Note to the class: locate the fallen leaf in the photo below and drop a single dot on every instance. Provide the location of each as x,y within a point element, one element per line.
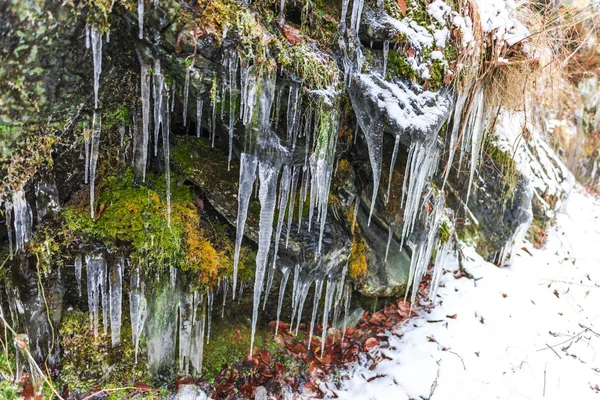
<point>292,34</point>
<point>402,5</point>
<point>371,343</point>
<point>143,387</point>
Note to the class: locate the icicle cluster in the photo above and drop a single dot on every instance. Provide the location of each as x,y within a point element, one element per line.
<point>23,219</point>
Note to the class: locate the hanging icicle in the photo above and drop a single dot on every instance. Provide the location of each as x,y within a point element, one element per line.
<point>96,39</point>
<point>94,150</point>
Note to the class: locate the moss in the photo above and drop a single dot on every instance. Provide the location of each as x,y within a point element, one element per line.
<point>437,75</point>
<point>398,67</point>
<point>503,163</point>
<point>446,231</point>
<point>8,391</point>
<point>137,216</point>
<point>358,260</point>
<point>90,363</point>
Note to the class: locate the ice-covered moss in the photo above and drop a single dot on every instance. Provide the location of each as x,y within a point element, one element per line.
<point>89,363</point>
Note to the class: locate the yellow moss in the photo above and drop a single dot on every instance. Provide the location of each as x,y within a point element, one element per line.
<point>200,254</point>
<point>357,268</point>
<point>358,260</point>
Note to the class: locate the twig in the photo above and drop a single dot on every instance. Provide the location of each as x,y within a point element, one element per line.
<point>461,359</point>
<point>551,348</point>
<point>109,390</point>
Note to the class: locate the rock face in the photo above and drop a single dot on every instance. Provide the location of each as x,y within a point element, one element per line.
<point>228,149</point>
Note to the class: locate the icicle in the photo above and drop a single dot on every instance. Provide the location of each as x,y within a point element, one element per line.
<point>86,145</point>
<point>167,153</point>
<point>386,49</point>
<point>161,328</point>
<point>158,103</point>
<point>186,93</point>
<point>8,216</point>
<point>87,36</point>
<point>344,14</point>
<point>292,111</point>
<point>172,275</point>
<point>96,287</point>
<point>346,309</point>
<point>145,91</point>
<point>392,165</point>
<point>248,165</point>
<point>284,192</point>
<point>268,200</point>
<point>198,117</point>
<point>137,308</point>
<point>173,98</point>
<point>328,300</point>
<point>198,336</point>
<point>96,38</point>
<point>423,250</point>
<point>23,219</point>
<point>302,294</point>
<point>422,163</point>
<point>116,299</point>
<point>339,295</point>
<point>95,150</point>
<point>213,120</point>
<point>456,122</point>
<point>78,265</point>
<point>389,241</point>
<point>141,18</point>
<point>317,298</point>
<point>295,175</point>
<point>321,168</point>
<point>302,199</point>
<point>46,199</point>
<point>232,60</point>
<point>121,135</point>
<point>281,13</point>
<point>284,279</point>
<point>186,321</point>
<point>475,126</point>
<point>211,298</point>
<point>225,290</point>
<point>357,7</point>
<point>438,270</point>
<point>294,293</point>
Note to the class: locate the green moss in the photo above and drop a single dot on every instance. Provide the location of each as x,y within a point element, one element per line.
<point>504,164</point>
<point>8,391</point>
<point>450,52</point>
<point>446,231</point>
<point>137,216</point>
<point>437,75</point>
<point>90,363</point>
<point>398,67</point>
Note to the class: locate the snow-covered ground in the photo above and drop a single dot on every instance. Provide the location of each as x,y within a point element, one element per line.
<point>523,332</point>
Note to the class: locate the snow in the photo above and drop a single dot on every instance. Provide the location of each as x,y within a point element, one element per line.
<point>527,331</point>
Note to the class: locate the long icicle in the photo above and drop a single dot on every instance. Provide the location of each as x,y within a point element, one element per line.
<point>284,191</point>
<point>267,197</point>
<point>248,166</point>
<point>284,279</point>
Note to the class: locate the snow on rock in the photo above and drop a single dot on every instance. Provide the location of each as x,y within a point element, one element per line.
<point>536,161</point>
<point>523,332</point>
